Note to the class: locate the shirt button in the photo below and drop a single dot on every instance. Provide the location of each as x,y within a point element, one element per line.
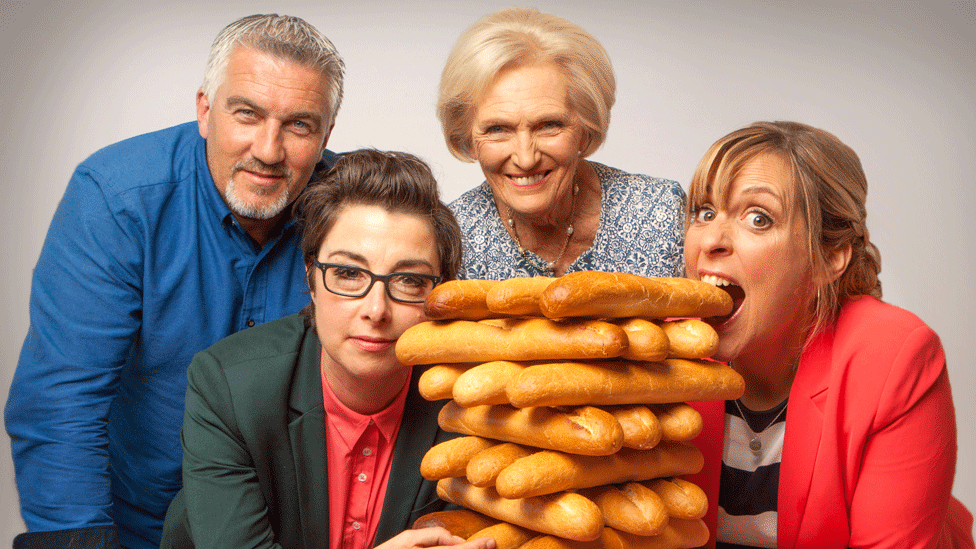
<point>250,323</point>
<point>367,451</point>
<point>362,477</point>
<point>356,525</point>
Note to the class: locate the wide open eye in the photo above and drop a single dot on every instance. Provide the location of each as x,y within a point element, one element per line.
<point>703,214</point>
<point>759,220</point>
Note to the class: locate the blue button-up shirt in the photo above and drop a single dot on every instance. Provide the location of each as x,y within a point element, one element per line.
<point>143,266</point>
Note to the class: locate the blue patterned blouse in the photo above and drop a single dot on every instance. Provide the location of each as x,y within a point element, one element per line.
<point>641,231</point>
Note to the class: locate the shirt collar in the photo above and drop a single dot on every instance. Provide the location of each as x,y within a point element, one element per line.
<point>351,425</point>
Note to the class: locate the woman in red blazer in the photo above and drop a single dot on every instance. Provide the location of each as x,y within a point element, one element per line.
<point>845,436</point>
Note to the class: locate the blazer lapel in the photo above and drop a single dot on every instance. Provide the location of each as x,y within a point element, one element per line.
<point>418,432</point>
<point>710,443</point>
<point>803,438</point>
<point>306,428</point>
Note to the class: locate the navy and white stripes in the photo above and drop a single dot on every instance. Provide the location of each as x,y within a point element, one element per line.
<point>750,479</point>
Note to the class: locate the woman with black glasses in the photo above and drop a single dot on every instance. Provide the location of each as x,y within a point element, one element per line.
<point>308,431</point>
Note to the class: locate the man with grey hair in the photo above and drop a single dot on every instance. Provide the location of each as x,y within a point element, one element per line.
<point>162,245</point>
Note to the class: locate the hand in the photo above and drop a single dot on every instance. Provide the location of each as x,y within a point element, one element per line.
<point>433,537</point>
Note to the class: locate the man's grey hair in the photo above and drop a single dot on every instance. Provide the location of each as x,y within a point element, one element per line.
<point>281,36</point>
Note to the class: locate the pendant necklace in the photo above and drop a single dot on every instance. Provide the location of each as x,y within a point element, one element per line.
<point>755,444</point>
<point>546,266</point>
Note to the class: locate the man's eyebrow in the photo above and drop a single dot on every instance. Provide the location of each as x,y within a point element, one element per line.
<point>238,100</point>
<point>306,115</point>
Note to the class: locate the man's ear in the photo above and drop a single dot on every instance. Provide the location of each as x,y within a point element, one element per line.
<point>203,112</point>
<point>837,261</point>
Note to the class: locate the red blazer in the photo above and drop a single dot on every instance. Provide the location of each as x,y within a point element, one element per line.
<point>870,450</point>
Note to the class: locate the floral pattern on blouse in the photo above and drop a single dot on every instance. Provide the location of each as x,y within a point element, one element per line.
<point>641,231</point>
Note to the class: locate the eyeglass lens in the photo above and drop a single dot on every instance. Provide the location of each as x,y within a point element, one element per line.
<point>356,282</point>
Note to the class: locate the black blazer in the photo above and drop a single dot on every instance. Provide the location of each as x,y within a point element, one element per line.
<point>254,456</point>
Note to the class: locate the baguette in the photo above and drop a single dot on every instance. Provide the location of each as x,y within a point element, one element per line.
<point>483,467</point>
<point>679,421</point>
<point>505,534</point>
<point>567,514</point>
<point>517,296</point>
<point>459,299</point>
<point>516,339</point>
<point>619,295</point>
<point>555,542</point>
<point>450,458</point>
<point>621,382</point>
<point>681,498</point>
<point>485,383</point>
<point>690,338</point>
<point>646,340</point>
<point>583,430</point>
<point>678,534</point>
<point>642,429</point>
<point>437,382</point>
<point>632,508</point>
<point>548,472</point>
<point>463,523</point>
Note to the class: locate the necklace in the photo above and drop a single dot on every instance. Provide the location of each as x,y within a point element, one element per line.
<point>546,266</point>
<point>755,444</point>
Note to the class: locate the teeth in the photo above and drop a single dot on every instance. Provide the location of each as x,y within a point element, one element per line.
<point>530,180</point>
<point>715,280</point>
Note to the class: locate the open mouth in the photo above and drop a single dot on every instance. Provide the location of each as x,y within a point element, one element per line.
<point>734,290</point>
<point>529,180</point>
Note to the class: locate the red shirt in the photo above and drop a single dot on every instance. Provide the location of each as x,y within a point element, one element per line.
<point>360,451</point>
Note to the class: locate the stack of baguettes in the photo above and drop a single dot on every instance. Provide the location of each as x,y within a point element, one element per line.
<point>572,394</point>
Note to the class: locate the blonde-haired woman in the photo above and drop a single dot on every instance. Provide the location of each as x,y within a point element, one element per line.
<point>528,95</point>
<point>846,435</point>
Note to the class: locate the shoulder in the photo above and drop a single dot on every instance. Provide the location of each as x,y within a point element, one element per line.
<point>621,183</point>
<point>473,204</point>
<point>877,353</point>
<point>163,156</point>
<point>866,324</point>
<point>278,340</point>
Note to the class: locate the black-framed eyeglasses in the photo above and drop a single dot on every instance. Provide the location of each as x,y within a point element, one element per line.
<point>349,281</point>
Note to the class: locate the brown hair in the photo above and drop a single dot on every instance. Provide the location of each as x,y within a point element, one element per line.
<point>513,37</point>
<point>829,192</point>
<point>397,181</point>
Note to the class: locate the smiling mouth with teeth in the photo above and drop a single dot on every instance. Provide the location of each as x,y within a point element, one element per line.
<point>734,290</point>
<point>529,180</point>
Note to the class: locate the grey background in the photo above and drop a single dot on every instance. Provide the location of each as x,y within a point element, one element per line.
<point>895,80</point>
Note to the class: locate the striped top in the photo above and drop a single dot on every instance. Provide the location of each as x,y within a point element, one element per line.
<point>750,476</point>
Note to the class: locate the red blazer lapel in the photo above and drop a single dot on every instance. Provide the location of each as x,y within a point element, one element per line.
<point>804,429</point>
<point>710,442</point>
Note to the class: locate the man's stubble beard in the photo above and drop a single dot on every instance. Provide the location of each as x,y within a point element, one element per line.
<point>246,209</point>
<point>242,208</point>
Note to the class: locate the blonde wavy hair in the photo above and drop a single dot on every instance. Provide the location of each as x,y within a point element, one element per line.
<point>514,37</point>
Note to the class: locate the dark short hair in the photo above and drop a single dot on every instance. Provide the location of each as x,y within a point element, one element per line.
<point>397,181</point>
